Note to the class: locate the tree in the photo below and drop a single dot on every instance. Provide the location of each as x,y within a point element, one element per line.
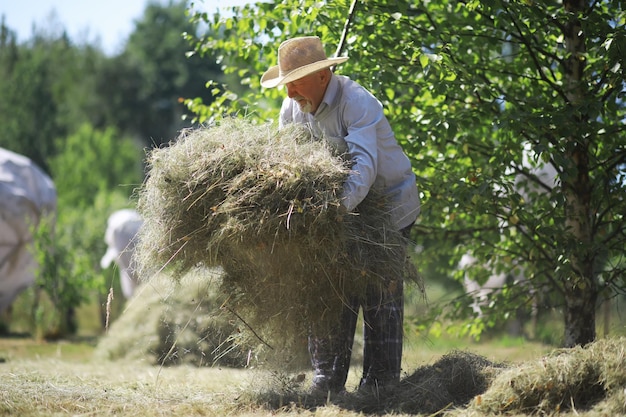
<point>52,85</point>
<point>468,86</point>
<point>153,74</point>
<point>47,85</point>
<point>94,161</point>
<point>96,174</point>
<point>27,108</point>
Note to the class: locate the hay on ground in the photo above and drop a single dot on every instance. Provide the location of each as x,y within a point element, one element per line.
<point>450,382</point>
<point>588,381</point>
<point>573,379</point>
<point>171,323</point>
<point>263,204</point>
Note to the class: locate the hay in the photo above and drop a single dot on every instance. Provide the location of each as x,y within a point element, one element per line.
<point>452,381</point>
<point>591,378</point>
<point>172,323</point>
<point>264,205</point>
<point>588,381</point>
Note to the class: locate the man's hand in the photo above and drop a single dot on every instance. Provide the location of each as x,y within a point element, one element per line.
<point>341,212</point>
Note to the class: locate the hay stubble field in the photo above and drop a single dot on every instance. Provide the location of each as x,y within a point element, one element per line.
<point>64,379</point>
<point>75,378</point>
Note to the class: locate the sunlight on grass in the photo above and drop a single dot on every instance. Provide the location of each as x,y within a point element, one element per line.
<point>49,387</point>
<point>57,383</point>
<point>64,377</point>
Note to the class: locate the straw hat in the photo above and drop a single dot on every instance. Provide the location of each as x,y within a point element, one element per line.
<point>297,58</point>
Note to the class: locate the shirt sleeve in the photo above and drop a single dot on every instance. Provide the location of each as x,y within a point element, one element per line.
<point>361,118</point>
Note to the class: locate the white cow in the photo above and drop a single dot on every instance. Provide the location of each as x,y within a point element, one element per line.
<point>120,236</point>
<point>495,282</point>
<point>540,178</point>
<point>27,194</point>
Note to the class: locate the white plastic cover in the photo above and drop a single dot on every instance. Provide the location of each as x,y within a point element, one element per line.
<point>26,194</point>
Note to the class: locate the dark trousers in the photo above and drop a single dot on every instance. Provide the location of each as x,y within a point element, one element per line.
<point>383,311</point>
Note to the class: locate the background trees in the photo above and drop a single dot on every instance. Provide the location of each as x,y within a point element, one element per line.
<point>483,96</point>
<point>52,85</point>
<point>143,87</point>
<point>86,118</point>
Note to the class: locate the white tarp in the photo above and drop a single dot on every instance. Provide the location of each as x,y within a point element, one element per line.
<point>26,193</point>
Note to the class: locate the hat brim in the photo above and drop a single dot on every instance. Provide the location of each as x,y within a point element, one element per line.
<point>272,77</point>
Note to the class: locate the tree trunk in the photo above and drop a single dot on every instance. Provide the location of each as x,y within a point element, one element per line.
<point>580,284</point>
<point>580,316</point>
<point>581,291</point>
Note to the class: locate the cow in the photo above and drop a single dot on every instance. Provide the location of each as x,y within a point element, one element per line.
<point>536,178</point>
<point>120,237</point>
<point>27,195</point>
<point>495,282</point>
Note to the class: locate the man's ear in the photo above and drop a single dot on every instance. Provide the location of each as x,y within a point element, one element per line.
<point>325,75</point>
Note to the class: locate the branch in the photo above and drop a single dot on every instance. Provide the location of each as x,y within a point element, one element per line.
<point>529,48</point>
<point>346,27</point>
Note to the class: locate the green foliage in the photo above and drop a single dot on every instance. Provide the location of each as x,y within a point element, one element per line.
<point>468,86</point>
<point>27,108</point>
<point>57,279</point>
<point>47,87</point>
<point>68,254</point>
<point>95,175</point>
<point>154,74</point>
<point>51,86</point>
<point>94,161</point>
<point>83,117</point>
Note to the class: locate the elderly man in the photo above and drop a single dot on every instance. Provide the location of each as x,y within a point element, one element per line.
<point>340,110</point>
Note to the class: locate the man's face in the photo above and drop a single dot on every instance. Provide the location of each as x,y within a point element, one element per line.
<point>309,91</point>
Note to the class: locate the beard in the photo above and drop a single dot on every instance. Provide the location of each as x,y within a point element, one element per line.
<point>305,105</point>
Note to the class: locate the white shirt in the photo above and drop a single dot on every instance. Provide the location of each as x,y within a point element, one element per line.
<point>352,118</point>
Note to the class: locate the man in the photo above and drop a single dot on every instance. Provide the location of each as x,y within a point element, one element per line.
<point>343,112</point>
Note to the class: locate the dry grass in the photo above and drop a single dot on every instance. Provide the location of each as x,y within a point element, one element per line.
<point>60,386</point>
<point>591,379</point>
<point>263,205</point>
<point>175,322</point>
<point>55,388</point>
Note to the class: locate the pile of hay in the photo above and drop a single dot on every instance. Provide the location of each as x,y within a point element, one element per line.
<point>591,378</point>
<point>450,382</point>
<point>588,381</point>
<point>172,323</point>
<point>263,204</point>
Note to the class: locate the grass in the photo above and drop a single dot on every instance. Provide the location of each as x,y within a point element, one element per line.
<point>60,379</point>
<point>51,387</point>
<point>24,348</point>
<point>63,378</point>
